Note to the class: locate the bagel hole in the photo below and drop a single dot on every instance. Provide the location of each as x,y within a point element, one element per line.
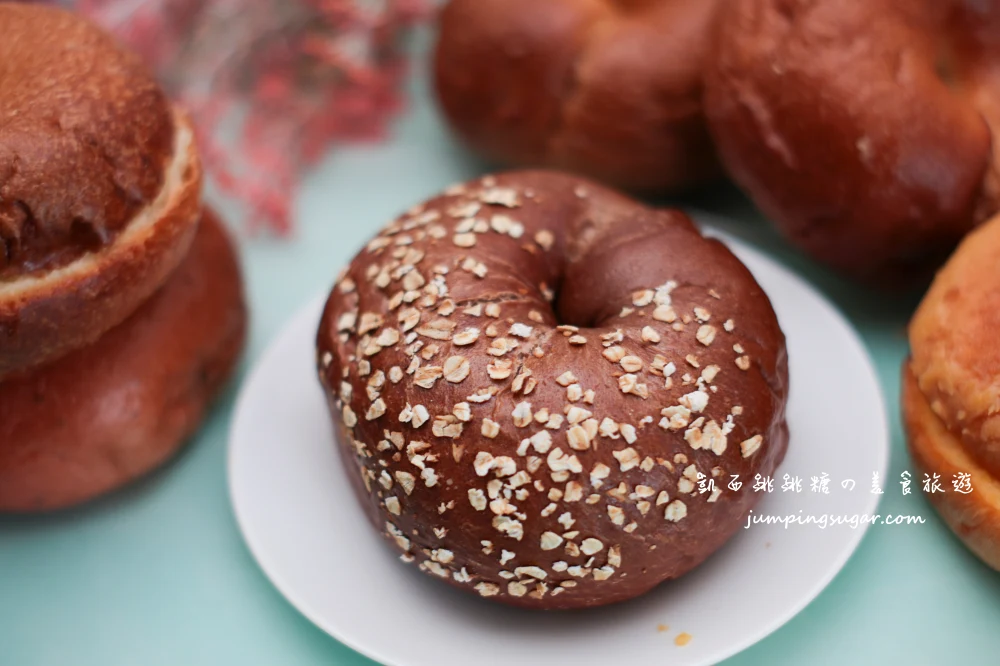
<point>583,297</point>
<point>584,315</point>
<point>605,260</point>
<point>567,306</point>
<point>563,319</point>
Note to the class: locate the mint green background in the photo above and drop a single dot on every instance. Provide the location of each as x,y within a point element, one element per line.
<point>158,574</point>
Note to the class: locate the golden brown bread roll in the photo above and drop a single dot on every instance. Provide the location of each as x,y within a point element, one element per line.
<point>951,396</point>
<point>973,517</point>
<point>865,130</point>
<point>530,374</point>
<point>606,88</point>
<point>106,414</point>
<point>99,184</point>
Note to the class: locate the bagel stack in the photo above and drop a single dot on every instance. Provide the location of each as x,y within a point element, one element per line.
<point>542,389</point>
<point>121,306</point>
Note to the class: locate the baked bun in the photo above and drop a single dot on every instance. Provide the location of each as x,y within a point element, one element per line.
<point>99,185</point>
<point>607,88</point>
<point>106,414</point>
<point>863,129</point>
<point>951,397</point>
<point>529,373</point>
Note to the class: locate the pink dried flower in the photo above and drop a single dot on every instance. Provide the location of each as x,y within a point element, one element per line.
<point>271,84</point>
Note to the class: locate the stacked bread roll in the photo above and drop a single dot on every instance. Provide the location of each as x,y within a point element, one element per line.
<point>121,307</point>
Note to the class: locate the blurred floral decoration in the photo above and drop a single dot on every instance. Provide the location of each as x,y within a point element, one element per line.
<point>271,84</point>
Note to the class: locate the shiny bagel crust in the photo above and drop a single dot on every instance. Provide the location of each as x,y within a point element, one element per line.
<point>610,89</point>
<point>99,185</point>
<point>106,414</point>
<point>864,130</point>
<point>533,378</point>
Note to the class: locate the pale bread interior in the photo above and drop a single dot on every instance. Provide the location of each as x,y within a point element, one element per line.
<point>133,234</point>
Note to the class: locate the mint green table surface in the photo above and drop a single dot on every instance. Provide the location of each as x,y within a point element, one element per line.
<point>158,574</point>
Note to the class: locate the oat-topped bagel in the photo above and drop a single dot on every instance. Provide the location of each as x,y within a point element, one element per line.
<point>531,374</point>
<point>99,184</point>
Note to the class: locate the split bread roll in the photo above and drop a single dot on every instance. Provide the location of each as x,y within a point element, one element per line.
<point>100,185</point>
<point>951,390</point>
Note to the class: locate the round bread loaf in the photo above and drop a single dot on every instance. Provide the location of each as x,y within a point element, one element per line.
<point>865,130</point>
<point>607,88</point>
<point>99,184</point>
<point>542,389</point>
<point>951,394</point>
<point>106,414</point>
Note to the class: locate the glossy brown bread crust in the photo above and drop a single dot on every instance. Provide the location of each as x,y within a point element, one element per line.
<point>86,136</point>
<point>547,453</point>
<point>607,88</point>
<point>106,414</point>
<point>951,399</point>
<point>99,185</point>
<point>863,129</point>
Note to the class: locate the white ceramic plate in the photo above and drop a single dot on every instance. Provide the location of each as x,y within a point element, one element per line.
<point>301,522</point>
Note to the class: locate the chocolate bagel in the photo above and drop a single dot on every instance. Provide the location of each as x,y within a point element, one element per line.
<point>610,89</point>
<point>99,185</point>
<point>534,378</point>
<point>865,130</point>
<point>103,415</point>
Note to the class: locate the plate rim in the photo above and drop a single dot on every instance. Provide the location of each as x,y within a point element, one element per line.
<point>313,305</point>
